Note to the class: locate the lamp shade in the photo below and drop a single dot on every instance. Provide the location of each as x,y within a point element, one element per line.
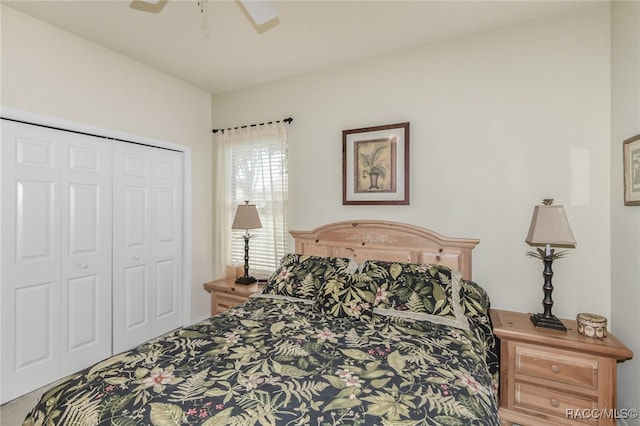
<point>246,217</point>
<point>549,225</point>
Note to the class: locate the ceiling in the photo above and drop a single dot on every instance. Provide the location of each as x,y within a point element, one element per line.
<point>214,45</point>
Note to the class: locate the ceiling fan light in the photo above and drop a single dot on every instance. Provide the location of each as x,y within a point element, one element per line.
<point>150,1</point>
<point>261,11</point>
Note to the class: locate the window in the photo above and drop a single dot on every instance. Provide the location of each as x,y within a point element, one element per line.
<point>255,170</point>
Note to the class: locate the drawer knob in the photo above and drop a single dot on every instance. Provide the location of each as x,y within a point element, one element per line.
<point>555,369</point>
<point>555,403</point>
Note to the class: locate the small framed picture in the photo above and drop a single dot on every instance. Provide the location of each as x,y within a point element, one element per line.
<point>631,154</point>
<point>375,165</point>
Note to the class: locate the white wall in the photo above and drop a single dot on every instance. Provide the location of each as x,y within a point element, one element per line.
<point>499,120</point>
<point>625,220</point>
<point>54,73</point>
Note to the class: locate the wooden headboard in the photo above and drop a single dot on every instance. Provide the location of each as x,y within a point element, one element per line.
<point>384,240</point>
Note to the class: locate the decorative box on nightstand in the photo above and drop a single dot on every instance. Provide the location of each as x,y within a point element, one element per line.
<point>554,377</point>
<point>226,294</point>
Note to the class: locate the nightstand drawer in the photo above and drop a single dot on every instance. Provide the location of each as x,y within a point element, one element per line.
<point>550,402</point>
<point>557,365</point>
<point>227,294</point>
<point>226,301</point>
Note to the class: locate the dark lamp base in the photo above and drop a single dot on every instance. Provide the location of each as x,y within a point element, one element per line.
<point>246,280</point>
<point>554,323</point>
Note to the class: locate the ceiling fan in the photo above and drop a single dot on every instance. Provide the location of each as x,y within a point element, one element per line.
<point>261,11</point>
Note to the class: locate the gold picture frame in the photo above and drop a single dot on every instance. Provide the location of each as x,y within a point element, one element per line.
<point>631,154</point>
<point>375,165</point>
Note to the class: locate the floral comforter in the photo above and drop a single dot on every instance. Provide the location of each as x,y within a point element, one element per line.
<point>279,362</point>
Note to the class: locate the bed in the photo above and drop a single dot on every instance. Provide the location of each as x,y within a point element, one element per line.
<point>368,322</point>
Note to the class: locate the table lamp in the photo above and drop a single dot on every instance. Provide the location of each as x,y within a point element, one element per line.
<point>549,227</point>
<point>246,218</point>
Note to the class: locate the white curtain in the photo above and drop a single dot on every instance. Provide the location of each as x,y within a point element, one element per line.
<point>252,164</point>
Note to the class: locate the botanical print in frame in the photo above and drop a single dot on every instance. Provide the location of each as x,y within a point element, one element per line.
<point>632,171</point>
<point>375,165</point>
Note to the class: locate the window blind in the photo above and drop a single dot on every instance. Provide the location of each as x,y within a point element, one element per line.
<point>256,171</point>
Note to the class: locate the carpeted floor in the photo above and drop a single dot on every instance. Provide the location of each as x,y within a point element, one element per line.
<point>13,412</point>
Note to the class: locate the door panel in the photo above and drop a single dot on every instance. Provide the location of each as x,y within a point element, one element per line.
<point>34,220</point>
<point>33,326</point>
<point>86,160</point>
<point>31,152</point>
<point>166,289</point>
<point>165,220</point>
<point>83,303</point>
<point>132,289</point>
<point>147,243</point>
<point>136,297</point>
<point>167,241</point>
<point>84,218</point>
<point>136,162</point>
<point>30,273</point>
<point>135,217</point>
<point>86,251</point>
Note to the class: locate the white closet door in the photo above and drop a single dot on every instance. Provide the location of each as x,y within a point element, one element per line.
<point>30,258</point>
<point>132,276</point>
<point>86,251</point>
<point>147,242</point>
<point>167,239</point>
<point>50,223</point>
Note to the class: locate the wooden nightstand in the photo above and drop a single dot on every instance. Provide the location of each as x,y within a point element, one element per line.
<point>227,294</point>
<point>555,377</point>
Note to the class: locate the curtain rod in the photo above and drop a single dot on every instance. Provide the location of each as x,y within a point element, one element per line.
<point>287,120</point>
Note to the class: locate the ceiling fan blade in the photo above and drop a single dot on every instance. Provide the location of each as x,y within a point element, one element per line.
<point>152,6</point>
<point>261,11</point>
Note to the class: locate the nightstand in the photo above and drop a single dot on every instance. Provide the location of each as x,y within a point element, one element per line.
<point>554,377</point>
<point>226,294</point>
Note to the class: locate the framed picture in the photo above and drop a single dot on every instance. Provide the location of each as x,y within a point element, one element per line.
<point>375,165</point>
<point>631,154</point>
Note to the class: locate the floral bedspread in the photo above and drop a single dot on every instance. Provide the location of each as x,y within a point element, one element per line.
<point>279,362</point>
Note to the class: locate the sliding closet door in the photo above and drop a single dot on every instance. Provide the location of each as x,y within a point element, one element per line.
<point>55,286</point>
<point>147,242</point>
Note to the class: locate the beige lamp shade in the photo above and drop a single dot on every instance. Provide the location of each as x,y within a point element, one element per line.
<point>246,217</point>
<point>549,225</point>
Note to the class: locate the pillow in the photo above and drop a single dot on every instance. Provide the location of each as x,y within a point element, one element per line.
<point>299,276</point>
<point>417,291</point>
<point>474,299</point>
<point>344,295</point>
<point>476,303</point>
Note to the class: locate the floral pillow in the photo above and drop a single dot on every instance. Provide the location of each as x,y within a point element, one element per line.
<point>474,299</point>
<point>344,295</point>
<point>299,276</point>
<point>476,303</point>
<point>417,291</point>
